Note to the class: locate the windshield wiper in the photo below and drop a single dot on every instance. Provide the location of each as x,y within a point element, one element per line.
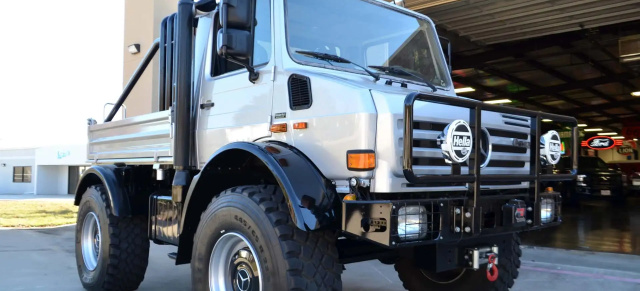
<point>403,72</point>
<point>337,59</point>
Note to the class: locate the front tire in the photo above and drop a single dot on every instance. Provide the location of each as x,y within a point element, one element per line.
<point>247,232</point>
<point>112,253</point>
<point>415,279</point>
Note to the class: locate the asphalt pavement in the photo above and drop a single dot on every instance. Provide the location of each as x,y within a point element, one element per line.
<point>44,260</point>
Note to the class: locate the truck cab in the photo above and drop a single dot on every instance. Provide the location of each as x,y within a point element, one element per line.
<point>293,137</point>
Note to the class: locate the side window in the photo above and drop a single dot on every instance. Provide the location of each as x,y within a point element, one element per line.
<point>21,174</point>
<point>262,33</point>
<point>261,40</point>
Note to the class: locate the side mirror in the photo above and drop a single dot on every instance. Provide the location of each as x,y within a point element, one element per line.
<point>235,38</point>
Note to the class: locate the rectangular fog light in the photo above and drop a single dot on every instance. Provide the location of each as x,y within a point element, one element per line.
<point>547,210</point>
<point>412,223</point>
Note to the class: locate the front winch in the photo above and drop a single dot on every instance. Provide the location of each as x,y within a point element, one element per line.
<point>483,255</point>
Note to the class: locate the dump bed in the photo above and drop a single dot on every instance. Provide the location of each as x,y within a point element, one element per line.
<point>144,139</point>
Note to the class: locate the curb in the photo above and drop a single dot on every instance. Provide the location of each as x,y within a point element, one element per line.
<point>36,228</point>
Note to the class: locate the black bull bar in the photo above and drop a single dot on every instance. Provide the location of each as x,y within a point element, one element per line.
<point>475,121</point>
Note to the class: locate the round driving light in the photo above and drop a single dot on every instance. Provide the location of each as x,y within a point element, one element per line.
<point>456,142</point>
<point>550,147</point>
<point>547,210</point>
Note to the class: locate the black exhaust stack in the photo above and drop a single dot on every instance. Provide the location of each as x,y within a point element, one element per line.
<point>182,88</point>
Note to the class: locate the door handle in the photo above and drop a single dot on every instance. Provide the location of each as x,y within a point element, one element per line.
<point>206,105</point>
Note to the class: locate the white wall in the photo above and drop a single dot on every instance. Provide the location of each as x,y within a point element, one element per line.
<point>52,180</point>
<point>16,158</point>
<point>62,155</point>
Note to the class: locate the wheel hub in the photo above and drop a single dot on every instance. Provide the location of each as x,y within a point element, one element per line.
<point>91,241</point>
<point>243,278</point>
<point>233,266</point>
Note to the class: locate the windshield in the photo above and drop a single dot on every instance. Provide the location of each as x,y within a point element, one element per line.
<point>365,33</point>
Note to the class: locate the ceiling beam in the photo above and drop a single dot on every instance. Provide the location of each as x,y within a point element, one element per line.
<point>540,106</point>
<point>571,85</point>
<point>496,52</point>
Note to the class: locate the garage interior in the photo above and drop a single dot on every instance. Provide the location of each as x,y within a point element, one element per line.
<point>572,57</point>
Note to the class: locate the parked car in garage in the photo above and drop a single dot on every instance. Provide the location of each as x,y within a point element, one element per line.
<point>595,179</point>
<point>634,186</point>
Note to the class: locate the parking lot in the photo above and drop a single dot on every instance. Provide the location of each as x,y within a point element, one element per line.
<point>44,259</point>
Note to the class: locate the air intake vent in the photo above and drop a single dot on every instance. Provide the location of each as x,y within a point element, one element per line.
<point>299,92</point>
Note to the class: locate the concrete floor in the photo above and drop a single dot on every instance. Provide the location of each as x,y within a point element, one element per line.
<point>594,225</point>
<point>44,260</point>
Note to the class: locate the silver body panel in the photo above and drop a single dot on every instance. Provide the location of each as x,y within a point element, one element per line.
<point>136,140</point>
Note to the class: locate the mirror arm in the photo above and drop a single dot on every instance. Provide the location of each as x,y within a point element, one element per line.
<point>253,74</point>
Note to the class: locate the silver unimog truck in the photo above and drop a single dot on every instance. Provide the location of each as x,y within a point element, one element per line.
<point>293,137</point>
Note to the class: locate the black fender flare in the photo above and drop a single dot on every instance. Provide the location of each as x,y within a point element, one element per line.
<point>309,195</point>
<point>109,176</point>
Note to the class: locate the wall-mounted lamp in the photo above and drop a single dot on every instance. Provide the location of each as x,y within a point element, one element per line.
<point>134,48</point>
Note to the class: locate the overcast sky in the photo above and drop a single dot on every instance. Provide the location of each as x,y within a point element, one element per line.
<point>60,62</point>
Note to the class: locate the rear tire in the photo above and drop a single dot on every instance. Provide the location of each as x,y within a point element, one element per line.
<point>252,227</point>
<point>415,279</point>
<point>112,253</point>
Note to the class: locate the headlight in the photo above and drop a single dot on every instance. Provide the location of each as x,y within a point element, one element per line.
<point>412,222</point>
<point>547,210</point>
<point>581,179</point>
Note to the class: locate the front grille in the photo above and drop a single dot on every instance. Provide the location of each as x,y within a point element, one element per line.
<point>507,157</point>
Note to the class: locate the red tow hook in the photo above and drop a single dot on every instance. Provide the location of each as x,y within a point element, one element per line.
<point>492,269</point>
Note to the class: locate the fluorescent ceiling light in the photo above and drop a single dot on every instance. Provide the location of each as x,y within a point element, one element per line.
<point>607,133</point>
<point>464,90</point>
<point>617,137</point>
<point>546,120</point>
<point>582,125</point>
<point>636,93</point>
<point>499,101</point>
<point>593,129</point>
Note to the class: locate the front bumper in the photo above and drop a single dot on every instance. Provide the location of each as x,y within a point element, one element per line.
<point>447,220</point>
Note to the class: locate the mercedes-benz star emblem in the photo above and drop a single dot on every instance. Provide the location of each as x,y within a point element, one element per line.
<point>243,280</point>
<point>485,147</point>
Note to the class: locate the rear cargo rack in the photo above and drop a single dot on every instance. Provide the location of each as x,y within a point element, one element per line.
<point>475,122</point>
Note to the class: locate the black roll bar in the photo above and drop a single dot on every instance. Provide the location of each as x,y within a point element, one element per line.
<point>134,79</point>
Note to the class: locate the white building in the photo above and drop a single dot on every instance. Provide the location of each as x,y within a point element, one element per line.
<point>45,170</point>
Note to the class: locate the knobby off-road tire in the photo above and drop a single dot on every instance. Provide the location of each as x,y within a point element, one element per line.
<point>288,258</point>
<point>122,244</point>
<point>415,279</point>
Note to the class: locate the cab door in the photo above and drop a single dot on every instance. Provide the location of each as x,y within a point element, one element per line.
<point>231,107</point>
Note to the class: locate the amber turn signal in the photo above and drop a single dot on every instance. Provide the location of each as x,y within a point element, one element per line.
<point>280,127</point>
<point>361,160</point>
<point>349,197</point>
<point>300,125</point>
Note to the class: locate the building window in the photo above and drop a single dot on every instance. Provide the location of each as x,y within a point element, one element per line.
<point>22,174</point>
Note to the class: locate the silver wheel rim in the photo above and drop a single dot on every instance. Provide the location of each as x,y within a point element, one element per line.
<point>233,265</point>
<point>91,241</point>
